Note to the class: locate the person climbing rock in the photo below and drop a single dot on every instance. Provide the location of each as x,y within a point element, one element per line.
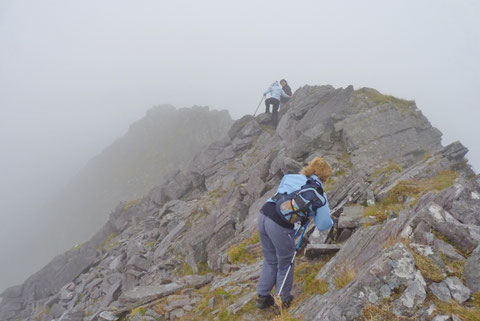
<point>286,88</point>
<point>277,234</point>
<point>276,92</point>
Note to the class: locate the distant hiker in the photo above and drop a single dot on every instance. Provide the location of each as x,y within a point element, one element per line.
<point>277,232</point>
<point>286,88</point>
<point>275,94</point>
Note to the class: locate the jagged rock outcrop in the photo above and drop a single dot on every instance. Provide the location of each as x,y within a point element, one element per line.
<point>411,220</point>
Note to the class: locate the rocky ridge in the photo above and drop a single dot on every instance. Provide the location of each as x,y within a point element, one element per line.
<point>406,241</point>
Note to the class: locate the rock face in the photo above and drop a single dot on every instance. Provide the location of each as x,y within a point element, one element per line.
<point>407,235</point>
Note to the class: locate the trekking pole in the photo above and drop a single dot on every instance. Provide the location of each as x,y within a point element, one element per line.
<point>258,106</point>
<point>294,254</point>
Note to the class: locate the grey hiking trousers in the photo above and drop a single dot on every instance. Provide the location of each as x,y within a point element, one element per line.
<point>278,246</point>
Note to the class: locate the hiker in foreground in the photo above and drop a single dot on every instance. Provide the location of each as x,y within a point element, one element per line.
<point>299,198</point>
<point>276,92</point>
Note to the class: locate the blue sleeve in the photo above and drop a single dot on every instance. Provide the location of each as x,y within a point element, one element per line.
<point>322,217</point>
<point>283,94</point>
<point>269,89</point>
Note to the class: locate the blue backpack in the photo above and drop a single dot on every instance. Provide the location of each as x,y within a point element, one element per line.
<point>298,197</point>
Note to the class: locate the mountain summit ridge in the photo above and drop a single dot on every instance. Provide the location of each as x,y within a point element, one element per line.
<point>188,248</point>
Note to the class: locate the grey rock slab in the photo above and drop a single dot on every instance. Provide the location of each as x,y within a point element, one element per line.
<point>314,250</point>
<point>465,236</point>
<point>162,248</point>
<point>176,301</point>
<point>143,294</point>
<point>441,318</point>
<point>111,294</point>
<point>351,217</point>
<point>448,250</point>
<point>411,298</point>
<point>241,302</point>
<point>441,291</point>
<point>56,310</point>
<point>459,291</point>
<point>107,316</point>
<point>196,281</point>
<point>249,272</point>
<point>471,271</point>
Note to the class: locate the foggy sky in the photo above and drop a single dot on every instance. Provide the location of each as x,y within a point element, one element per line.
<point>75,74</point>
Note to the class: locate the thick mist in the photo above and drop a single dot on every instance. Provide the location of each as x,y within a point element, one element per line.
<point>74,75</point>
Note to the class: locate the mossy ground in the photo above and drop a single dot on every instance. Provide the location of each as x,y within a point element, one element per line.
<point>418,188</point>
<point>304,277</point>
<point>238,253</point>
<point>402,105</point>
<point>414,188</point>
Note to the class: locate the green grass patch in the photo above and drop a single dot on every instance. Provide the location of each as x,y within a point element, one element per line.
<point>393,203</point>
<point>238,253</point>
<point>305,275</point>
<point>476,299</point>
<point>216,195</point>
<point>402,105</point>
<point>141,310</point>
<point>388,170</point>
<point>464,312</point>
<point>185,269</point>
<point>340,172</point>
<point>382,211</point>
<point>425,265</point>
<point>379,312</point>
<point>418,188</point>
<point>454,268</point>
<point>344,276</point>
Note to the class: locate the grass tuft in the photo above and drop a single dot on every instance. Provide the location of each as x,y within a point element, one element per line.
<point>305,274</point>
<point>402,105</point>
<point>388,170</point>
<point>380,312</point>
<point>393,203</point>
<point>425,265</point>
<point>476,299</point>
<point>461,310</point>
<point>284,312</point>
<point>140,310</point>
<point>344,276</point>
<point>454,268</point>
<point>238,253</point>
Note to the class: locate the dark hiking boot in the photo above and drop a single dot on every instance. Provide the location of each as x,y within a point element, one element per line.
<point>287,301</point>
<point>264,301</point>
